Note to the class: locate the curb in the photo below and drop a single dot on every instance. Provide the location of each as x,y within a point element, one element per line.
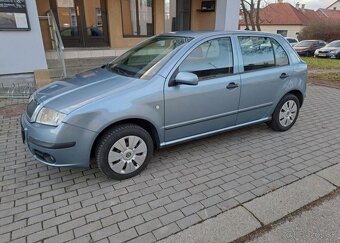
<point>262,211</point>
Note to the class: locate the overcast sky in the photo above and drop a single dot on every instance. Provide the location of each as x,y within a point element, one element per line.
<point>311,4</point>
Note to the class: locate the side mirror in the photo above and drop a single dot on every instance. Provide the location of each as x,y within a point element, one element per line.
<point>186,78</point>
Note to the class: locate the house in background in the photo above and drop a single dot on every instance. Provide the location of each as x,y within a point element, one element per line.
<point>287,20</point>
<point>91,29</point>
<point>335,5</point>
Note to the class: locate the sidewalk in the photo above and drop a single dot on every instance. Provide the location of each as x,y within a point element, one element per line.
<point>263,212</point>
<point>319,224</point>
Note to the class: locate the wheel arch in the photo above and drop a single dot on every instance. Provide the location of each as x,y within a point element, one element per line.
<point>148,126</point>
<point>298,94</point>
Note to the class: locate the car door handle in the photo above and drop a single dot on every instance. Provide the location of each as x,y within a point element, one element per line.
<point>232,85</point>
<point>284,75</point>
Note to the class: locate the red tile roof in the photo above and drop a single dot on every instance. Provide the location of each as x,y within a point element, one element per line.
<point>330,14</point>
<point>286,14</point>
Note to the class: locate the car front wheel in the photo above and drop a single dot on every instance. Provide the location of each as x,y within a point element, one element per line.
<point>285,114</point>
<point>124,151</point>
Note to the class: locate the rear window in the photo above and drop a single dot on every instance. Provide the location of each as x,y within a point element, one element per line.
<point>291,40</point>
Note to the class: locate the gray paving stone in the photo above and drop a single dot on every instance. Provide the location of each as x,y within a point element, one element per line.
<point>225,227</point>
<point>138,210</point>
<point>131,222</point>
<point>171,217</point>
<point>98,215</point>
<point>192,208</point>
<point>155,213</point>
<point>26,231</point>
<point>123,236</point>
<point>148,226</point>
<point>38,236</point>
<point>166,231</point>
<point>159,202</point>
<point>71,224</point>
<point>83,211</point>
<point>147,238</point>
<point>114,219</point>
<point>217,173</point>
<point>188,221</point>
<point>209,212</point>
<point>87,228</point>
<point>64,237</point>
<point>104,232</point>
<point>56,221</point>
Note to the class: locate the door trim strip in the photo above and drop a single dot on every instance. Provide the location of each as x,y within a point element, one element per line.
<point>165,144</point>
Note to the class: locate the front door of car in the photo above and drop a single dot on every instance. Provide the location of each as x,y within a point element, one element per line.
<point>212,104</point>
<point>266,72</point>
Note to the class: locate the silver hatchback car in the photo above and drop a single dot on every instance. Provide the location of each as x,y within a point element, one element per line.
<point>169,89</point>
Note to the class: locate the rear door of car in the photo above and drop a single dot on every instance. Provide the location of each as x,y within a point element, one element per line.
<point>264,71</point>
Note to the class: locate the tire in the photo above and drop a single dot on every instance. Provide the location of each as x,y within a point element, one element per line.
<point>124,151</point>
<point>285,113</point>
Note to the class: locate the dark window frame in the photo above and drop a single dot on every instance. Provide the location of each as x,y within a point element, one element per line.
<point>137,19</point>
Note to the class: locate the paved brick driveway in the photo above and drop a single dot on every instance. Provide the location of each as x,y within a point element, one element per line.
<point>182,186</point>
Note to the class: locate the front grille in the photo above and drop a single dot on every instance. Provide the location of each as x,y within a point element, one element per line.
<point>31,108</point>
<point>325,52</point>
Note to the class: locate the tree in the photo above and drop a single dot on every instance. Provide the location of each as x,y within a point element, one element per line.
<point>251,14</point>
<point>327,30</point>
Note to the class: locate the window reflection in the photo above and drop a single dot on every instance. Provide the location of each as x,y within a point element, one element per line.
<point>137,16</point>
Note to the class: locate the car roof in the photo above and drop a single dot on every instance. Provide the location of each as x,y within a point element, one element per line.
<point>313,40</point>
<point>198,34</point>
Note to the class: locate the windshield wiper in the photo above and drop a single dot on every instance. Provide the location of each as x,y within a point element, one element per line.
<point>120,71</point>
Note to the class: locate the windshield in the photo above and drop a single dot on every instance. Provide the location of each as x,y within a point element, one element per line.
<point>334,44</point>
<point>291,40</point>
<point>305,44</point>
<point>144,60</point>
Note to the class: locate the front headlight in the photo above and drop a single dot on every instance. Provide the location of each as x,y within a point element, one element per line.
<point>334,51</point>
<point>50,117</point>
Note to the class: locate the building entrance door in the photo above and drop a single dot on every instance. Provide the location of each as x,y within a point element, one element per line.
<point>177,15</point>
<point>82,23</point>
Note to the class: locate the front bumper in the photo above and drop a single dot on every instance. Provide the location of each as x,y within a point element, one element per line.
<point>65,145</point>
<point>322,55</point>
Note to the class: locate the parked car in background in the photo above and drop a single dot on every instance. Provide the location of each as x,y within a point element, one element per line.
<point>331,50</point>
<point>308,47</point>
<point>292,41</point>
<point>169,89</point>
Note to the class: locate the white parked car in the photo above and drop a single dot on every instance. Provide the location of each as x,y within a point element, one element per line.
<point>292,41</point>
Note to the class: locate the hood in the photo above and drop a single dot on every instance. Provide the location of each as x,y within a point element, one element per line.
<point>329,49</point>
<point>298,48</point>
<point>70,94</point>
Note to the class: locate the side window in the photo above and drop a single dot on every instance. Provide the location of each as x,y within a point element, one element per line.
<point>321,43</point>
<point>281,58</point>
<point>257,52</point>
<point>211,59</point>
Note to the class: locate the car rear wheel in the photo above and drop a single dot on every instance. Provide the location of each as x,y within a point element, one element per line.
<point>124,151</point>
<point>285,114</point>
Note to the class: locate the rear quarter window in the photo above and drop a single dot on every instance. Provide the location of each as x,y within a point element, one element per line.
<point>261,53</point>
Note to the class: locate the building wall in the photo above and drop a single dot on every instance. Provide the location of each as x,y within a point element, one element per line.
<point>199,21</point>
<point>43,6</point>
<point>23,51</point>
<point>292,29</point>
<point>115,24</point>
<point>335,5</point>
